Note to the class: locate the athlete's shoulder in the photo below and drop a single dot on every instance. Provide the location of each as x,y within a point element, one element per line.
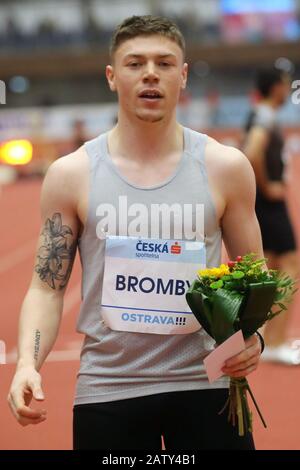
<point>66,178</point>
<point>224,156</point>
<point>71,161</point>
<point>71,165</point>
<point>228,168</point>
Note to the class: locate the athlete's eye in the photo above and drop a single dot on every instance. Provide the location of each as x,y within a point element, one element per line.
<point>134,64</point>
<point>164,64</point>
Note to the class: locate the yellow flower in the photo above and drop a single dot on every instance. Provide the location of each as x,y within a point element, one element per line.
<point>204,273</point>
<point>224,269</point>
<point>214,272</point>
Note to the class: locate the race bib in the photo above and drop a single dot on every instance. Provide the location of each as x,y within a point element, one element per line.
<point>145,281</point>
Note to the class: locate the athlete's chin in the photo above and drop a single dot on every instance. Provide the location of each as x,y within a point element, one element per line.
<point>150,117</point>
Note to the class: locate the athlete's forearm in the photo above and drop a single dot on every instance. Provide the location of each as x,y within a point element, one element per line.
<point>38,327</point>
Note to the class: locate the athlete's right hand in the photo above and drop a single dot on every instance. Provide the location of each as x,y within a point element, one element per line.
<point>26,385</point>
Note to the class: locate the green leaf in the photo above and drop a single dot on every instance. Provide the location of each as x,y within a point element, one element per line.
<point>237,274</point>
<point>230,285</point>
<point>217,284</point>
<point>201,307</point>
<point>225,310</point>
<point>257,304</point>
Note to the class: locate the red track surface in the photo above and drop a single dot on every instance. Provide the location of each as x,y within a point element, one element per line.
<point>277,388</point>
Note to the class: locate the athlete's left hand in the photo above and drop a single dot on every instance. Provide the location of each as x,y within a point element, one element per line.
<point>245,362</point>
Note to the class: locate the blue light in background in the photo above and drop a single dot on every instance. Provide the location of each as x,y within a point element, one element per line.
<point>231,7</point>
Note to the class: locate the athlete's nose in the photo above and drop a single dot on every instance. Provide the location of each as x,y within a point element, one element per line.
<point>150,74</point>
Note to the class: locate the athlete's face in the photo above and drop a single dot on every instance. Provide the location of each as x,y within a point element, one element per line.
<point>148,74</point>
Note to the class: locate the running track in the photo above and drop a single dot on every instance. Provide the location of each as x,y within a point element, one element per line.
<point>277,388</point>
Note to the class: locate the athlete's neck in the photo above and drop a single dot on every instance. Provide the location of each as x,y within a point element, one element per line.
<point>146,141</point>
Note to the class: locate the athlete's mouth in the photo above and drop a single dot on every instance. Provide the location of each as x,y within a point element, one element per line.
<point>150,94</point>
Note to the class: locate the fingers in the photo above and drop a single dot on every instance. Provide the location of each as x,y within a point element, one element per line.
<point>18,407</point>
<point>24,421</point>
<point>19,400</point>
<point>252,350</point>
<point>242,370</point>
<point>37,391</point>
<point>245,362</point>
<point>242,363</point>
<point>242,373</point>
<point>26,385</point>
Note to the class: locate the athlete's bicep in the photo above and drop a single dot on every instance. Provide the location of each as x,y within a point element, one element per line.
<point>57,241</point>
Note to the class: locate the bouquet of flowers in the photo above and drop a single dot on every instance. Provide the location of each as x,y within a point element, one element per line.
<point>240,295</point>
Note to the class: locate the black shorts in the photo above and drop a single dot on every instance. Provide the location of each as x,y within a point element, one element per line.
<point>185,419</point>
<point>275,225</point>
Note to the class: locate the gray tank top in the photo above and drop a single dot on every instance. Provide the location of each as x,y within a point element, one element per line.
<point>117,365</point>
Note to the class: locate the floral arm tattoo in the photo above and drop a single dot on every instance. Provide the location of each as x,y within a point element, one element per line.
<point>56,255</point>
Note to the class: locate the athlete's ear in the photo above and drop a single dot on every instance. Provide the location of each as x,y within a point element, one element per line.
<point>110,75</point>
<point>184,75</point>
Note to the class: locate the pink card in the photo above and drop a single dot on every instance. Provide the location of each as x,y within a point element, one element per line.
<point>215,360</point>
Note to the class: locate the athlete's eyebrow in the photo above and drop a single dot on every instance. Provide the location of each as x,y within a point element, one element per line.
<point>139,56</point>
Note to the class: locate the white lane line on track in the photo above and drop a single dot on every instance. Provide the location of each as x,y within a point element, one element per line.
<point>54,356</point>
<point>65,355</point>
<point>17,256</point>
<point>72,351</point>
<point>72,298</point>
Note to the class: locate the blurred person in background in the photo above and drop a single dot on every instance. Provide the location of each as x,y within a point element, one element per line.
<point>138,380</point>
<point>264,145</point>
<point>79,136</point>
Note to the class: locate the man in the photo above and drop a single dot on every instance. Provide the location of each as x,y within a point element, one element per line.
<point>264,148</point>
<point>79,134</point>
<point>148,177</point>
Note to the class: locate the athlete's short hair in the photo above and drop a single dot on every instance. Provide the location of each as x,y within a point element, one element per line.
<point>267,78</point>
<point>146,25</point>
